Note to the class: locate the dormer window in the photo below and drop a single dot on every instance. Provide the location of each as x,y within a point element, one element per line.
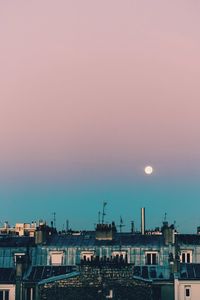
<point>56,258</point>
<point>186,256</point>
<point>119,255</point>
<point>151,258</point>
<point>87,255</point>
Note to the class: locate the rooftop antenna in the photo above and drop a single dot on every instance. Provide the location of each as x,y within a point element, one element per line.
<point>99,217</point>
<point>54,219</point>
<point>103,213</point>
<point>121,225</point>
<point>165,218</point>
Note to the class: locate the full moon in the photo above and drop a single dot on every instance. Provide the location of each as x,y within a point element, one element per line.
<point>148,170</point>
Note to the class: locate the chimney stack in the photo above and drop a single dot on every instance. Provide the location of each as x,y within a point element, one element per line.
<point>132,227</point>
<point>143,220</point>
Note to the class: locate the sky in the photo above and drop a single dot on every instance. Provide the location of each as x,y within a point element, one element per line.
<point>91,92</point>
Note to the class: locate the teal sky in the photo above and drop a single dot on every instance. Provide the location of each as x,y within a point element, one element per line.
<point>91,92</point>
<point>79,199</point>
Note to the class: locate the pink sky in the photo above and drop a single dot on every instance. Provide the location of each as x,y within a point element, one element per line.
<point>99,83</point>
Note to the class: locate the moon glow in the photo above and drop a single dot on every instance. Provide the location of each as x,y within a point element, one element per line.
<point>148,170</point>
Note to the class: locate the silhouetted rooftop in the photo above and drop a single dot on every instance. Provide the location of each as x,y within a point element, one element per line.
<point>16,241</point>
<point>188,239</point>
<point>88,239</point>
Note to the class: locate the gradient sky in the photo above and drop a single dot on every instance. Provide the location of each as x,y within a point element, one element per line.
<point>90,92</point>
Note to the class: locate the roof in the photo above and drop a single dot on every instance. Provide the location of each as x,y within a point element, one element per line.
<point>151,272</point>
<point>59,277</point>
<point>38,273</point>
<point>16,241</point>
<point>190,271</point>
<point>7,275</point>
<point>88,239</point>
<point>188,239</point>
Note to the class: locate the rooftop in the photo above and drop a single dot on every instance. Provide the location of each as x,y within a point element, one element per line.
<point>88,239</point>
<point>39,273</point>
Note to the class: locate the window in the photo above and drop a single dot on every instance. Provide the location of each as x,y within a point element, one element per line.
<point>187,292</point>
<point>121,255</point>
<point>56,258</point>
<point>4,294</point>
<point>186,256</point>
<point>151,258</point>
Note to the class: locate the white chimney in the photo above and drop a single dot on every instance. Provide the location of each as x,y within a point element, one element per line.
<point>143,220</point>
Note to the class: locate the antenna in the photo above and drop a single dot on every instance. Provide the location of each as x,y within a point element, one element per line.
<point>121,225</point>
<point>165,218</point>
<point>103,213</point>
<point>99,217</point>
<point>54,219</point>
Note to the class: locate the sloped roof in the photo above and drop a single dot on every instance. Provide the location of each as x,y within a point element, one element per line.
<point>88,239</point>
<point>188,239</point>
<point>152,272</point>
<point>59,277</point>
<point>7,275</point>
<point>38,273</point>
<point>16,241</point>
<point>190,271</point>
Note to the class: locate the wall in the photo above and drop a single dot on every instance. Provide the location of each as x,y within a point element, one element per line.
<point>180,289</point>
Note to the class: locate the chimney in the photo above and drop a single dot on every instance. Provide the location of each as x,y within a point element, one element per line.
<point>22,262</point>
<point>132,227</point>
<point>143,220</point>
<point>105,231</point>
<point>168,233</point>
<point>41,234</point>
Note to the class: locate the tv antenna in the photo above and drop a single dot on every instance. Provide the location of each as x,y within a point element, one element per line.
<point>54,219</point>
<point>121,224</point>
<point>99,217</point>
<point>103,213</point>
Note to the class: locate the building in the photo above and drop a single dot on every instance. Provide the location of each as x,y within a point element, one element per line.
<point>101,262</point>
<point>187,282</point>
<point>21,229</point>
